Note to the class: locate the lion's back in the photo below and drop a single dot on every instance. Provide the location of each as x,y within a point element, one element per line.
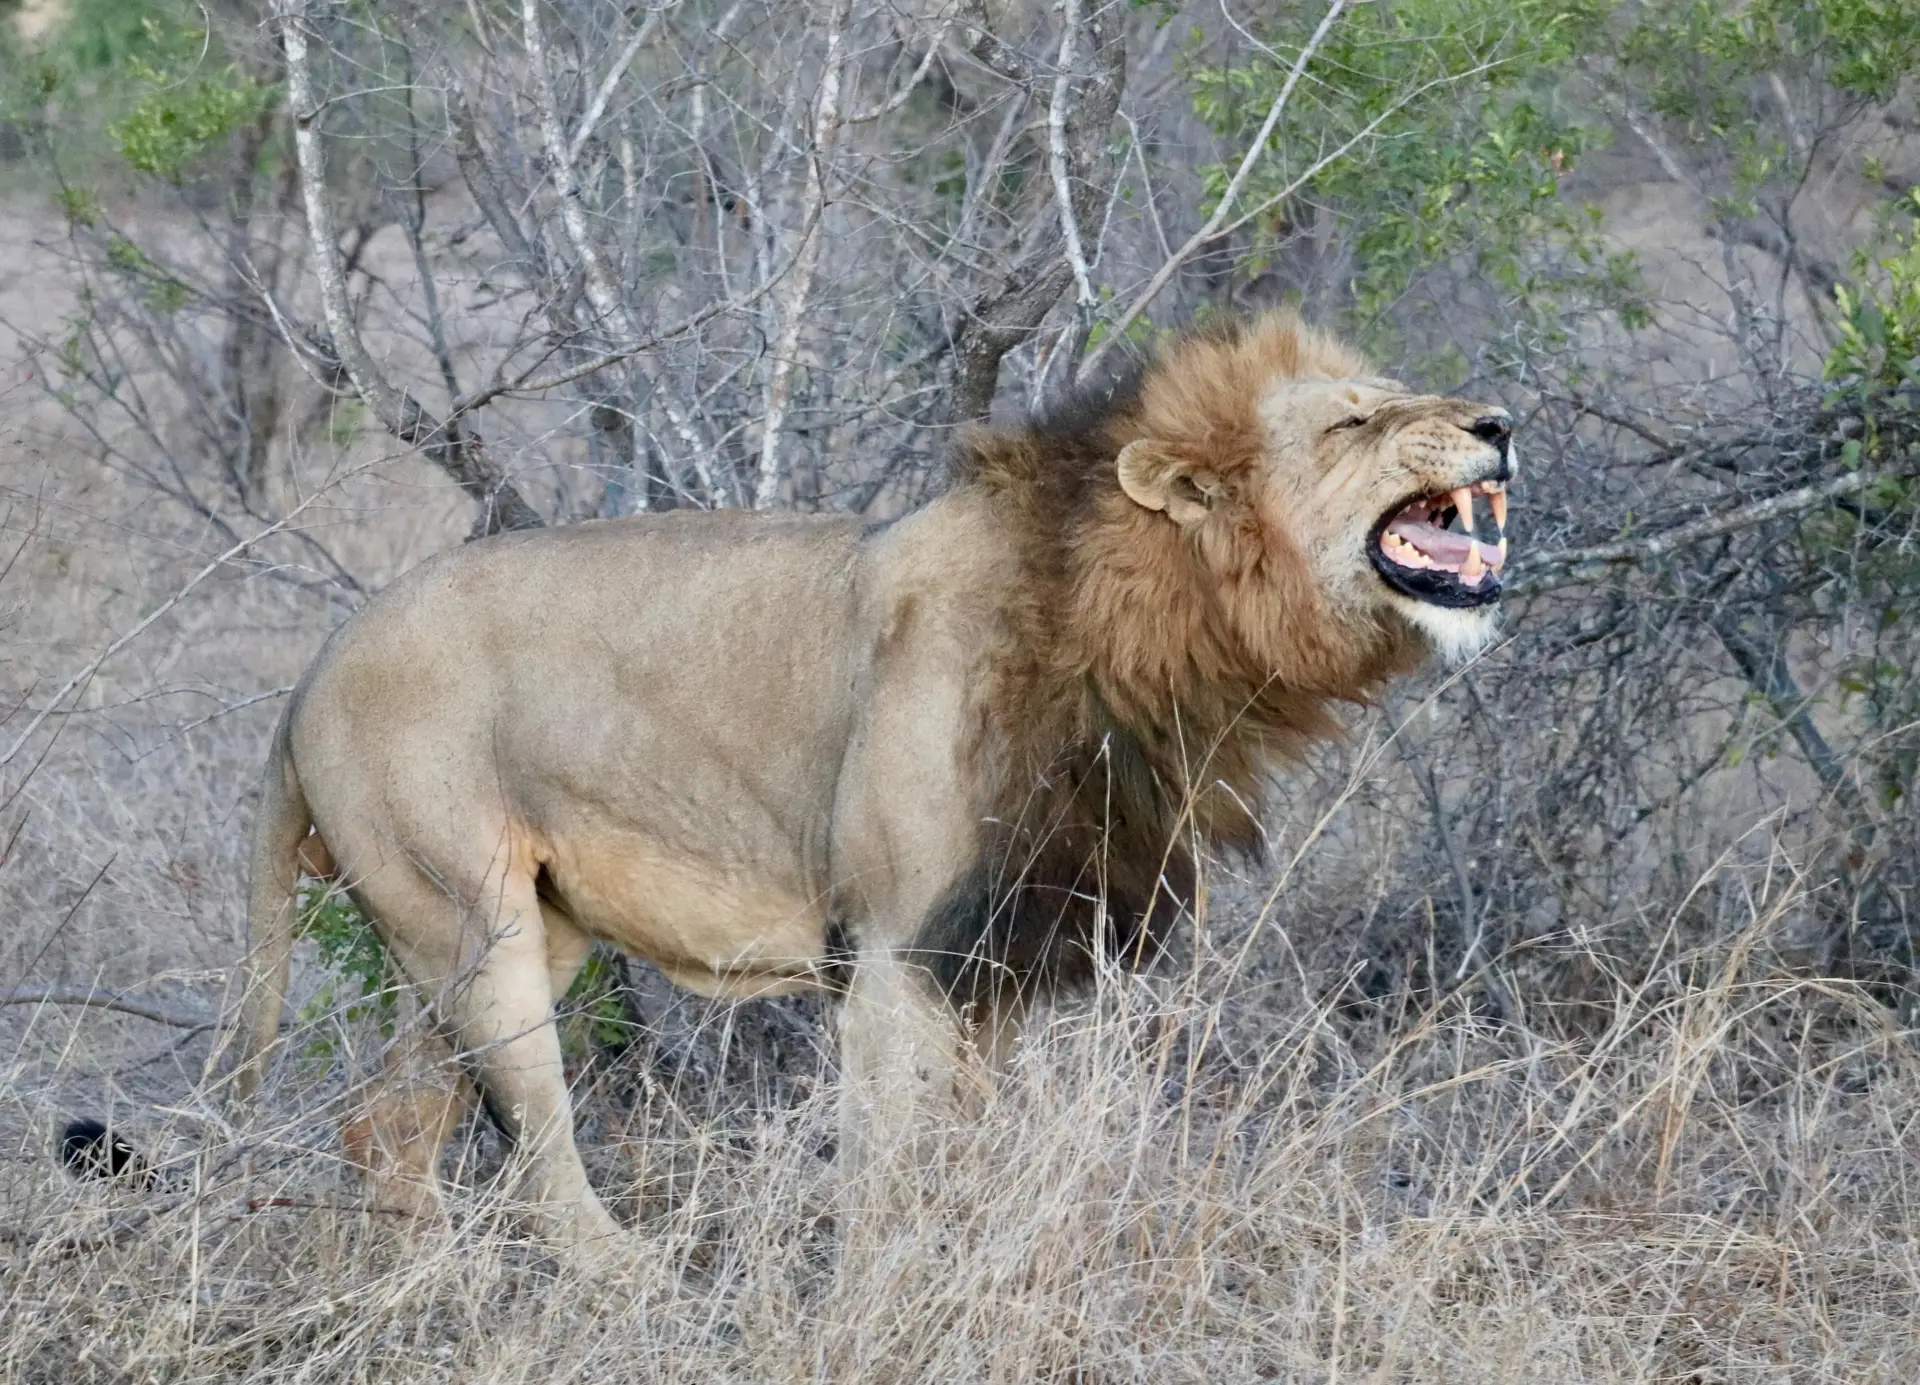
<point>570,652</point>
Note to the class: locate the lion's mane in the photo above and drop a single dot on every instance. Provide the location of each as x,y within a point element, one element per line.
<point>1144,680</point>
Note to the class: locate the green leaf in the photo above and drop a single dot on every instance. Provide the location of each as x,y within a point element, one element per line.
<point>174,126</point>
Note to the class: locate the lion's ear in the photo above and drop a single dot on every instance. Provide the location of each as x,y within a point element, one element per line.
<point>1156,480</point>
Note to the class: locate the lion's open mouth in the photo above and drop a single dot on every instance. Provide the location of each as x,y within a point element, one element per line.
<point>1429,548</point>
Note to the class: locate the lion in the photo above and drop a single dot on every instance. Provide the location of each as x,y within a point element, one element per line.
<point>935,765</point>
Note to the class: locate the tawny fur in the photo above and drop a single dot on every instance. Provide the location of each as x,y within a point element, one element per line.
<point>933,763</point>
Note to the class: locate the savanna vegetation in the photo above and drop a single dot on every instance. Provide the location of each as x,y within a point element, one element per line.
<point>1564,1030</point>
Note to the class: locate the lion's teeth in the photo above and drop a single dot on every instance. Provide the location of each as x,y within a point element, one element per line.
<point>1471,569</point>
<point>1503,552</point>
<point>1463,502</point>
<point>1498,499</point>
<point>1499,558</point>
<point>1402,552</point>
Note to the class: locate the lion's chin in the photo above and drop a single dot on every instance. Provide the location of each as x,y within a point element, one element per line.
<point>1456,634</point>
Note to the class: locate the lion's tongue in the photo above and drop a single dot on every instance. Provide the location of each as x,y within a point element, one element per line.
<point>1442,546</point>
<point>1414,541</point>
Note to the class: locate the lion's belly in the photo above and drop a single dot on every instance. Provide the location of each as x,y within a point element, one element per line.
<point>718,929</point>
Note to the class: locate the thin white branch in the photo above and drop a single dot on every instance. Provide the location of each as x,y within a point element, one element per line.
<point>180,732</point>
<point>597,107</point>
<point>608,307</point>
<point>1166,271</point>
<point>457,452</point>
<point>980,180</point>
<point>1060,162</point>
<point>1669,165</point>
<point>1215,224</point>
<point>899,98</point>
<point>1801,149</point>
<point>335,303</point>
<point>1146,186</point>
<point>528,384</point>
<point>94,665</point>
<point>827,124</point>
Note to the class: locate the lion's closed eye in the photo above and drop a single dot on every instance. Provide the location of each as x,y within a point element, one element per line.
<point>1350,421</point>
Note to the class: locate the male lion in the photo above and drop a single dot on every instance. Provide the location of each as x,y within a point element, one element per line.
<point>933,764</point>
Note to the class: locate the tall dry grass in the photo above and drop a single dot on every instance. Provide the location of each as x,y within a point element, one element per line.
<point>1182,1178</point>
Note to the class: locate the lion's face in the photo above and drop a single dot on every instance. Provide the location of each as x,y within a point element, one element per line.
<point>1338,512</point>
<point>1398,501</point>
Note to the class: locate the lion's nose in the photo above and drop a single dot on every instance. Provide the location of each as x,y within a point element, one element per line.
<point>1494,428</point>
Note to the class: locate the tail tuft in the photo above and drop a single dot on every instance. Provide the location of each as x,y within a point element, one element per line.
<point>90,1150</point>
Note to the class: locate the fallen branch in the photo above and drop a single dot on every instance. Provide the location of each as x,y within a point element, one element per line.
<point>95,999</point>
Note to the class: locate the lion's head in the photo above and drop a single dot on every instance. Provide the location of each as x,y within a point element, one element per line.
<point>1271,446</point>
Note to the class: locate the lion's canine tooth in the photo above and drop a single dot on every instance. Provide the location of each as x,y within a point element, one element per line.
<point>1463,502</point>
<point>1499,559</point>
<point>1471,569</point>
<point>1498,499</point>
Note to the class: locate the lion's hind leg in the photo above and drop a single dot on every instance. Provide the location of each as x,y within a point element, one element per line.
<point>411,1107</point>
<point>482,960</point>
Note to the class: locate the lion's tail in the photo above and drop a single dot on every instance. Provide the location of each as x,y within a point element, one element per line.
<point>89,1148</point>
<point>272,906</point>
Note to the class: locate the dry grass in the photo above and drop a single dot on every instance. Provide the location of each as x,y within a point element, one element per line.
<point>1715,1185</point>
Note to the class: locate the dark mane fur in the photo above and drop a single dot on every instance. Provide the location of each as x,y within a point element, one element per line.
<point>1143,685</point>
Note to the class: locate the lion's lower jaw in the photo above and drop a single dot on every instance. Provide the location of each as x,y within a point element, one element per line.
<point>1456,634</point>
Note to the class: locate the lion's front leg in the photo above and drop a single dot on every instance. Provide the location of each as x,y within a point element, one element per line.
<point>900,1065</point>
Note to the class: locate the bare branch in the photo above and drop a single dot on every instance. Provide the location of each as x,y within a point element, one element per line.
<point>1578,564</point>
<point>806,258</point>
<point>1215,224</point>
<point>95,999</point>
<point>1012,307</point>
<point>596,108</point>
<point>900,97</point>
<point>457,451</point>
<point>93,666</point>
<point>1347,146</point>
<point>1058,158</point>
<point>527,383</point>
<point>610,310</point>
<point>607,306</point>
